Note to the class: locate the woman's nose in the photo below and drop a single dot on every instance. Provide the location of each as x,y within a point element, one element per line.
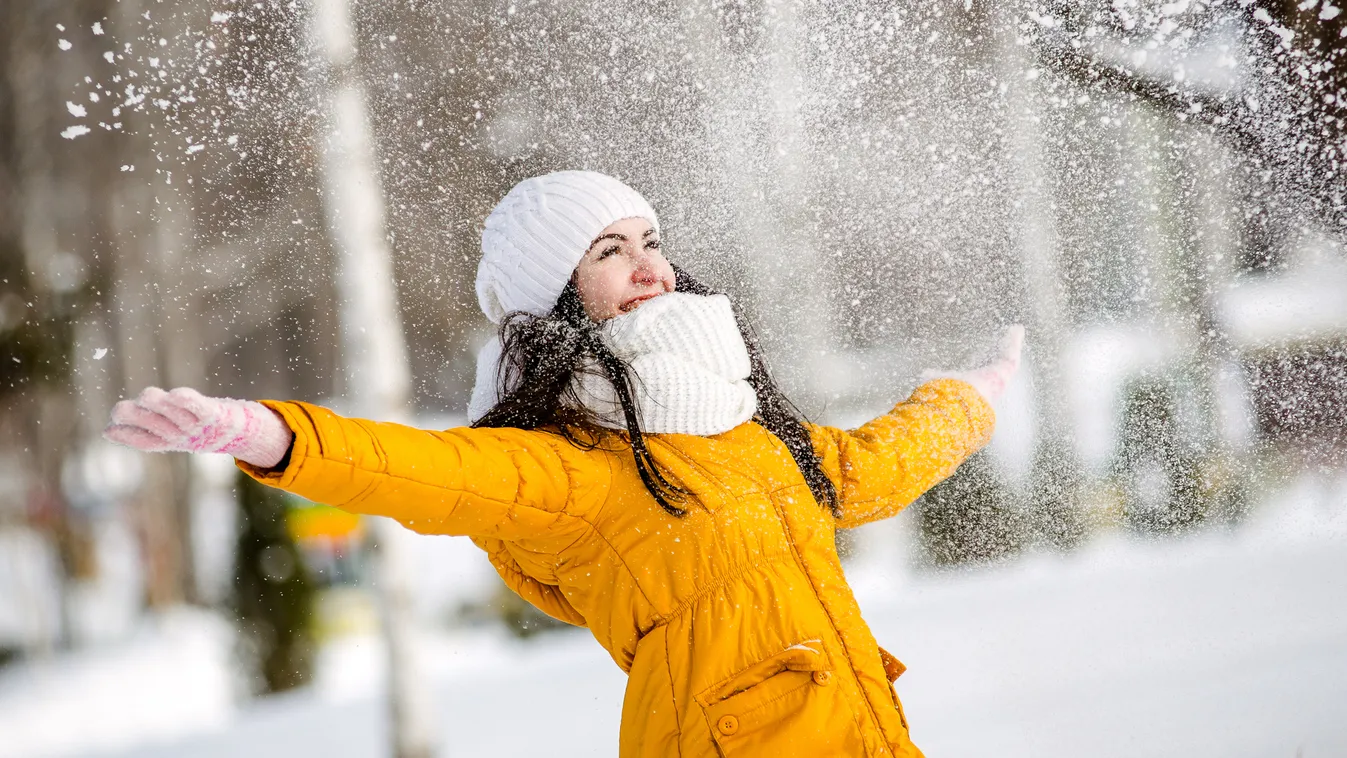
<point>643,268</point>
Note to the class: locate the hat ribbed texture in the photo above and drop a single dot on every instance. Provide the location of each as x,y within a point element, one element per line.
<point>537,234</point>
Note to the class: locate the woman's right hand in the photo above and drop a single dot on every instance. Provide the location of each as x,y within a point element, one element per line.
<point>185,420</point>
<point>990,381</point>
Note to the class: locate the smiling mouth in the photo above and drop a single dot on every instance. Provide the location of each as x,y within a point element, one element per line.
<point>631,304</point>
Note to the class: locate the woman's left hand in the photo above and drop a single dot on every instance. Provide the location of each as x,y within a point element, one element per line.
<point>990,381</point>
<point>185,420</point>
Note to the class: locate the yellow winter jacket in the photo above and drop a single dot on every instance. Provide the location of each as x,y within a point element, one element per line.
<point>734,623</point>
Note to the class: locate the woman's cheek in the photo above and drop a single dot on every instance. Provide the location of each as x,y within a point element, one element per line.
<point>617,287</point>
<point>602,296</point>
<point>670,280</point>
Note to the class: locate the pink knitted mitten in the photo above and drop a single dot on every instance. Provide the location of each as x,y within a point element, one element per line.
<point>991,380</point>
<point>187,421</point>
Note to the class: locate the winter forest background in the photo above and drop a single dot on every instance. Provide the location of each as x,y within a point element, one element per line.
<point>283,199</point>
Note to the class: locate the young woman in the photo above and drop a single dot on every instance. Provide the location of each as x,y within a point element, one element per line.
<point>633,468</point>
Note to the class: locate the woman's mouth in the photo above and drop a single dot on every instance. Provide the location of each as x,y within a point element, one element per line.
<point>631,304</point>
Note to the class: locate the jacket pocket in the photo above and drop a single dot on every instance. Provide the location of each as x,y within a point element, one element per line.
<point>786,705</point>
<point>893,668</point>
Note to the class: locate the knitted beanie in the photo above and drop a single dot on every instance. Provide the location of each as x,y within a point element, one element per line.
<point>537,234</point>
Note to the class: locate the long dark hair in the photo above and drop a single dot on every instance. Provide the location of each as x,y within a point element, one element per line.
<point>540,355</point>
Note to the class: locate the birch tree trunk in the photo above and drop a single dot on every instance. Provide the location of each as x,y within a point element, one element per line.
<point>374,350</point>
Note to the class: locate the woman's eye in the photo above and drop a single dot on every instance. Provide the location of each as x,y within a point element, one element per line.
<point>653,244</point>
<point>609,251</point>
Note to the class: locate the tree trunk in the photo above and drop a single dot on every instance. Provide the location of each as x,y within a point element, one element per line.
<point>374,351</point>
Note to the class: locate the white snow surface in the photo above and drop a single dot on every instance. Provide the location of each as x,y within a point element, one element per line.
<point>1305,303</point>
<point>1221,644</point>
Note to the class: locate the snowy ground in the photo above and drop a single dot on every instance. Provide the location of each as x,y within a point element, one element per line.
<point>1221,645</point>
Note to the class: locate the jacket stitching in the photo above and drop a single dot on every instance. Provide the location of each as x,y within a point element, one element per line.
<point>654,609</point>
<point>720,485</point>
<point>313,423</point>
<point>369,490</point>
<point>769,559</point>
<point>623,561</point>
<point>720,685</point>
<point>846,654</point>
<point>766,703</point>
<point>572,489</point>
<point>376,444</point>
<point>515,569</point>
<point>572,499</point>
<point>423,483</point>
<point>673,698</point>
<point>379,453</point>
<point>593,528</point>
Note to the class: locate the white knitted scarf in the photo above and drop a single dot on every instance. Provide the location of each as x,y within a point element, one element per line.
<point>689,362</point>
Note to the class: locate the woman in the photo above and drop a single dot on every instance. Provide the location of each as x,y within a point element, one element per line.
<point>632,468</point>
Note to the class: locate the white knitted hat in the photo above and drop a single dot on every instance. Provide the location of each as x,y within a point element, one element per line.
<point>538,233</point>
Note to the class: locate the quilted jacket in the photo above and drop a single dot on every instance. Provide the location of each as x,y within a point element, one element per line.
<point>734,623</point>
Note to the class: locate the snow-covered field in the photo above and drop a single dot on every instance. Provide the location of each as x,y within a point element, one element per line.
<point>1220,644</point>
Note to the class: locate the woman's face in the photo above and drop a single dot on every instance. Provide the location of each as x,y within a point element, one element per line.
<point>622,268</point>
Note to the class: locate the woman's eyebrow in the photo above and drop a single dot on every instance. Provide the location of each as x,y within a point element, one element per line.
<point>649,232</point>
<point>611,236</point>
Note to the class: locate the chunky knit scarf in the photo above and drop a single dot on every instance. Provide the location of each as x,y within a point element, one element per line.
<point>689,362</point>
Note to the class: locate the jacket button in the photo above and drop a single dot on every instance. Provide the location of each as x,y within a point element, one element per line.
<point>728,725</point>
<point>822,678</point>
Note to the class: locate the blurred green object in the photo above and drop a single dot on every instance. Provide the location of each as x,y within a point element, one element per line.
<point>273,599</point>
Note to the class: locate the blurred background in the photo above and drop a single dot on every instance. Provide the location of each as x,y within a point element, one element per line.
<point>283,199</point>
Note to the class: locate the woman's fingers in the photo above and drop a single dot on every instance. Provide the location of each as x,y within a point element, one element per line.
<point>128,413</point>
<point>206,409</point>
<point>134,436</point>
<point>171,407</point>
<point>1012,344</point>
<point>991,380</point>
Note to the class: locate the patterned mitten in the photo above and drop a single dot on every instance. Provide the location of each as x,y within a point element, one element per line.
<point>187,421</point>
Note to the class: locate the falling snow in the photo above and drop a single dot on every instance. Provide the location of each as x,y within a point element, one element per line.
<point>1157,189</point>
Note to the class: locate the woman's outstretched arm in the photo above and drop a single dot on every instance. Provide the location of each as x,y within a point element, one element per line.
<point>506,484</point>
<point>885,465</point>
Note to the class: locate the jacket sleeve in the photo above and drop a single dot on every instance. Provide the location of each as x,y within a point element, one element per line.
<point>506,484</point>
<point>882,467</point>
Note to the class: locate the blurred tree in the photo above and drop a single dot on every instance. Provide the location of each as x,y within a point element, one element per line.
<point>374,347</point>
<point>1286,117</point>
<point>1053,512</point>
<point>142,224</point>
<point>971,516</point>
<point>273,594</point>
<point>1053,505</point>
<point>1161,473</point>
<point>43,292</point>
